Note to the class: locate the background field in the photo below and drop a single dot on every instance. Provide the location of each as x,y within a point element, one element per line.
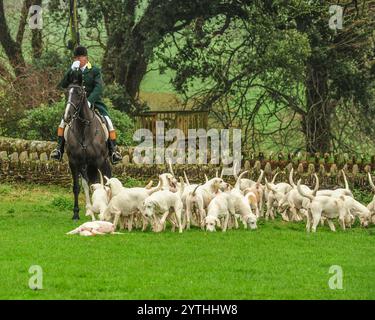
<point>277,261</point>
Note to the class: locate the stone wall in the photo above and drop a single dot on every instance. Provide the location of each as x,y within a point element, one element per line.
<point>29,161</point>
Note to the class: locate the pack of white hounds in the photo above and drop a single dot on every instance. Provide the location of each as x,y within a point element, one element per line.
<point>216,204</point>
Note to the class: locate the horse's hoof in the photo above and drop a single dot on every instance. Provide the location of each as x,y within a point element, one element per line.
<point>75,218</point>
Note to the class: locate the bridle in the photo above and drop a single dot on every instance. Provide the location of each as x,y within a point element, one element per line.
<point>76,115</point>
<point>77,107</point>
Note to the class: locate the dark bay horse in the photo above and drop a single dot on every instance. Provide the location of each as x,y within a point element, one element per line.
<point>86,144</point>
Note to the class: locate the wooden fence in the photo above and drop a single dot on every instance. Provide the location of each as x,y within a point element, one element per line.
<point>183,120</point>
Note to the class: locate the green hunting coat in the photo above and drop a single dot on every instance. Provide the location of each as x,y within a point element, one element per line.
<point>93,83</point>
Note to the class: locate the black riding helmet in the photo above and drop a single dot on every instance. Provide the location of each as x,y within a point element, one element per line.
<point>80,51</point>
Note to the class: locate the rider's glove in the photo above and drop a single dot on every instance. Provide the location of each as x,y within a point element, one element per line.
<point>89,103</point>
<point>76,65</point>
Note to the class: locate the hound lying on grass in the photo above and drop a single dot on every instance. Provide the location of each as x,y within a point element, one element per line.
<point>94,228</point>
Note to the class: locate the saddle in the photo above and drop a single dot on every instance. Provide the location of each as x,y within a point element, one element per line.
<point>102,121</point>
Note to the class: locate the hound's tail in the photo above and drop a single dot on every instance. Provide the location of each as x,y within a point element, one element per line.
<point>274,178</point>
<point>345,180</point>
<point>238,182</point>
<point>149,185</point>
<point>313,194</point>
<point>235,171</point>
<point>170,167</point>
<point>260,177</point>
<point>291,182</point>
<point>186,179</point>
<point>157,188</point>
<point>182,188</point>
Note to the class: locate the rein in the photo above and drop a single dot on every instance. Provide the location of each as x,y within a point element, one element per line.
<point>76,116</point>
<point>78,108</point>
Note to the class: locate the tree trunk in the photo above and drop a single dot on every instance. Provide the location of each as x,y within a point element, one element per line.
<point>316,123</point>
<point>134,68</point>
<point>126,64</point>
<point>11,48</point>
<point>130,44</point>
<point>37,43</point>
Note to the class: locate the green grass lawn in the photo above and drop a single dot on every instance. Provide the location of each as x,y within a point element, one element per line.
<point>277,261</point>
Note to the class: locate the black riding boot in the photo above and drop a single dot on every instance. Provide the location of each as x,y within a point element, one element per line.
<point>58,153</point>
<point>114,155</point>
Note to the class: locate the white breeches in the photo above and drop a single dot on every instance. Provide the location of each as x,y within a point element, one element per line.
<point>110,124</point>
<point>109,121</point>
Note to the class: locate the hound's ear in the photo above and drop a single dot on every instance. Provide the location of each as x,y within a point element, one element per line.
<point>169,181</point>
<point>149,185</point>
<point>269,186</point>
<point>218,222</point>
<point>205,177</point>
<point>182,182</point>
<point>222,173</point>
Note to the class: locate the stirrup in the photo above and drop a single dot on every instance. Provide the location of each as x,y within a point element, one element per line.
<point>56,155</point>
<point>115,157</point>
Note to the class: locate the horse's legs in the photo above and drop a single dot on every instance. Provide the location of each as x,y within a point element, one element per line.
<point>76,194</point>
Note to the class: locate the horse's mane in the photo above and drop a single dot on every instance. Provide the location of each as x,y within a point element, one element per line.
<point>76,77</point>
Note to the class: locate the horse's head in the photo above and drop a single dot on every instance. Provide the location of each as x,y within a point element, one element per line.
<point>76,99</point>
